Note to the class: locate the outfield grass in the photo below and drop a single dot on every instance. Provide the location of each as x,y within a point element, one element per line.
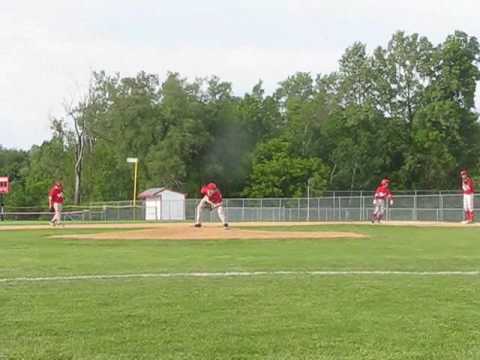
<point>264,317</point>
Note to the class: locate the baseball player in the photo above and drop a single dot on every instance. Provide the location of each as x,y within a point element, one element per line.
<point>55,202</point>
<point>212,200</point>
<point>468,194</point>
<point>382,194</point>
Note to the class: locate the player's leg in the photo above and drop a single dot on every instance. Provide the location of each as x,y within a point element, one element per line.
<point>55,214</point>
<point>221,215</point>
<point>52,220</point>
<point>58,212</point>
<point>381,211</point>
<point>199,211</point>
<point>55,220</point>
<point>470,208</point>
<point>375,210</point>
<point>466,210</point>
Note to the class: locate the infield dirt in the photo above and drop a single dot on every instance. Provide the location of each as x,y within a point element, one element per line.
<point>212,232</point>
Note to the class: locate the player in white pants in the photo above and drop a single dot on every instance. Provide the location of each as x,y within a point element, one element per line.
<point>55,202</point>
<point>468,189</point>
<point>212,200</point>
<point>382,194</point>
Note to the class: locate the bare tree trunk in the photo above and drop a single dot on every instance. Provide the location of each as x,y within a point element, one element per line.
<point>354,172</point>
<point>78,180</point>
<point>78,140</point>
<point>79,153</point>
<point>332,173</point>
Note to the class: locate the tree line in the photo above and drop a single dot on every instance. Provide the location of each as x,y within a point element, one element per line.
<point>405,111</point>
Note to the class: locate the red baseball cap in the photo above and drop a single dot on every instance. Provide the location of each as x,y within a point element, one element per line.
<point>211,186</point>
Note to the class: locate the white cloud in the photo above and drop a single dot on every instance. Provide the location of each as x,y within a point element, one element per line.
<point>49,48</point>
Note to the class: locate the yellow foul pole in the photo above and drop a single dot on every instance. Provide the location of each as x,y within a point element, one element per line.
<point>135,185</point>
<point>135,175</point>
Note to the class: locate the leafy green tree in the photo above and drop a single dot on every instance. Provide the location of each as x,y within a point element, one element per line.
<point>48,162</point>
<point>14,164</point>
<point>400,74</point>
<point>363,147</point>
<point>445,133</point>
<point>355,76</point>
<point>277,172</point>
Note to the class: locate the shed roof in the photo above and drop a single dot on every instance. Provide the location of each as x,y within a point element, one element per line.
<point>154,192</point>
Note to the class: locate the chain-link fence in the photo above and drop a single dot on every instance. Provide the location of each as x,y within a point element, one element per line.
<point>414,207</point>
<point>338,207</point>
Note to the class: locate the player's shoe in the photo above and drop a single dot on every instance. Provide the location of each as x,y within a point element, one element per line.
<point>225,226</point>
<point>197,225</point>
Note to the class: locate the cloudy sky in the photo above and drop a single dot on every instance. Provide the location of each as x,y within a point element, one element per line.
<point>50,47</point>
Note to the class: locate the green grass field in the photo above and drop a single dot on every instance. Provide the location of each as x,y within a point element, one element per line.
<point>272,316</point>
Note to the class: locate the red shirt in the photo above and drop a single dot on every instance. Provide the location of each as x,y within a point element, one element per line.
<point>56,193</point>
<point>383,192</point>
<point>215,197</point>
<point>468,186</point>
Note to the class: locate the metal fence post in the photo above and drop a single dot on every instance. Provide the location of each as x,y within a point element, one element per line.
<point>298,209</point>
<point>334,206</point>
<point>339,208</point>
<point>279,218</point>
<point>308,210</point>
<point>243,209</point>
<point>318,209</point>
<point>360,204</point>
<point>441,206</point>
<point>414,212</point>
<point>261,209</point>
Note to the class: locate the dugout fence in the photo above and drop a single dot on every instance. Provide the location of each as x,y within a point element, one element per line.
<point>337,206</point>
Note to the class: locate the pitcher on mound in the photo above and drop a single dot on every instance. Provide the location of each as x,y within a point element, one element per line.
<point>212,200</point>
<point>468,194</point>
<point>382,194</point>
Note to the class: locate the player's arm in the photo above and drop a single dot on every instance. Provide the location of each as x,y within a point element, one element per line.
<point>390,197</point>
<point>208,205</point>
<point>214,206</point>
<point>470,185</point>
<point>375,195</point>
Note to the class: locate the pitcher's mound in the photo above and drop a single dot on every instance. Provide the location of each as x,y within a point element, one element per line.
<point>210,232</point>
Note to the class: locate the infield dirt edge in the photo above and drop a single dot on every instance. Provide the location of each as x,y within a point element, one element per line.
<point>210,232</point>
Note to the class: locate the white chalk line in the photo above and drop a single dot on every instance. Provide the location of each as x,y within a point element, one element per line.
<point>238,274</point>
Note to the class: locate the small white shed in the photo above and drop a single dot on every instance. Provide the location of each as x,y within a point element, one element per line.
<point>163,204</point>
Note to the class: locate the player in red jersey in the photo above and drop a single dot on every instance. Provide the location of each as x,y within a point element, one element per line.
<point>55,202</point>
<point>382,194</point>
<point>212,200</point>
<point>468,189</point>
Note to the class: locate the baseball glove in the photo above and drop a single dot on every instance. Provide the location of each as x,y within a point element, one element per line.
<point>51,209</point>
<point>208,206</point>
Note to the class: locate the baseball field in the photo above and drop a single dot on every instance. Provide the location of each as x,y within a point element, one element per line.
<point>257,291</point>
